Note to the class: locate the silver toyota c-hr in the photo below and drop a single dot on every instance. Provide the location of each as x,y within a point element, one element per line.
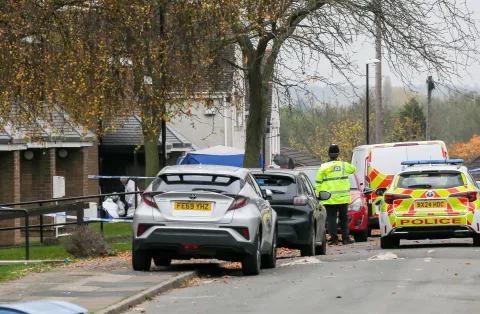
<point>205,211</point>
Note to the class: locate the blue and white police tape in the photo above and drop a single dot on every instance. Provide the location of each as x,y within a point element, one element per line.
<point>119,177</point>
<point>90,218</point>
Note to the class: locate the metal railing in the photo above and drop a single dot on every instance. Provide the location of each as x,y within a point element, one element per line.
<point>7,213</point>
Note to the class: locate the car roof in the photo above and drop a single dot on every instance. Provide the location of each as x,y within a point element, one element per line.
<point>205,169</point>
<point>435,167</point>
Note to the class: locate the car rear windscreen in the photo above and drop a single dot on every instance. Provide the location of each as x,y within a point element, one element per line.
<point>278,184</point>
<point>430,180</point>
<point>197,182</point>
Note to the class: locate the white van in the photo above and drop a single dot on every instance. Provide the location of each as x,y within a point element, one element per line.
<point>377,164</point>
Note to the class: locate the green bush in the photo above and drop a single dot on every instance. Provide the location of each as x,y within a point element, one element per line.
<point>86,242</point>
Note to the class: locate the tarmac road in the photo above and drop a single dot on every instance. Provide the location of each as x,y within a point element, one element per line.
<point>419,277</point>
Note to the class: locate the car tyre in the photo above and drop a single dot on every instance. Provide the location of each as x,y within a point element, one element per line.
<point>270,260</point>
<point>251,264</point>
<point>141,260</point>
<point>476,240</point>
<point>309,249</point>
<point>322,249</point>
<point>361,236</point>
<point>161,260</point>
<point>387,242</point>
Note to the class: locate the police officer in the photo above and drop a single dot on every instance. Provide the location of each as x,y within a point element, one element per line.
<point>333,178</point>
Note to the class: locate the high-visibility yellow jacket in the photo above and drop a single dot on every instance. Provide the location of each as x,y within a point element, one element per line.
<point>333,177</point>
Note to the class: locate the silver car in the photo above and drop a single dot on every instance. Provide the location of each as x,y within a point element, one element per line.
<point>205,211</point>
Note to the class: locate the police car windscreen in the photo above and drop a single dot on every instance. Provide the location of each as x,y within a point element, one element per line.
<point>430,180</point>
<point>278,184</point>
<point>388,160</point>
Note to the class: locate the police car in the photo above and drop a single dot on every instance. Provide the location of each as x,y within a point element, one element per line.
<point>430,199</point>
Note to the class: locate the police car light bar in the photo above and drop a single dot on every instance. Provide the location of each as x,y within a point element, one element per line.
<point>432,162</point>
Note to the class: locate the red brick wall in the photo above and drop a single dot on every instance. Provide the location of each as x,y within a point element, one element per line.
<point>91,186</point>
<point>10,187</point>
<point>71,168</point>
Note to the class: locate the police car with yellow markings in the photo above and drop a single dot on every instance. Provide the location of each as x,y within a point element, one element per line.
<point>430,199</point>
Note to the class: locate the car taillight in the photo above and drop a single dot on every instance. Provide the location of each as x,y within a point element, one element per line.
<point>148,198</point>
<point>300,200</point>
<point>141,229</point>
<point>471,195</point>
<point>389,198</point>
<point>239,201</point>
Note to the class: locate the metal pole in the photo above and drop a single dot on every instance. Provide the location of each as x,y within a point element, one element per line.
<point>27,242</point>
<point>41,228</point>
<point>367,120</point>
<point>164,143</point>
<point>430,87</point>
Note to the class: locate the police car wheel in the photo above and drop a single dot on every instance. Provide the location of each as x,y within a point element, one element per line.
<point>476,240</point>
<point>388,242</point>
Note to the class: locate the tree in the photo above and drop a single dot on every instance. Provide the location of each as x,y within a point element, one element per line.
<point>409,123</point>
<point>467,151</point>
<point>311,30</point>
<point>103,60</point>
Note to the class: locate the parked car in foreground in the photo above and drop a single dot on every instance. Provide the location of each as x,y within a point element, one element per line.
<point>430,199</point>
<point>205,211</point>
<point>301,219</point>
<point>42,307</point>
<point>357,209</point>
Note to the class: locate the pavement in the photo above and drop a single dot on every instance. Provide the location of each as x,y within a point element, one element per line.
<point>98,284</point>
<point>420,276</point>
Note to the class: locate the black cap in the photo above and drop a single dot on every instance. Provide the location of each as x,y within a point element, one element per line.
<point>333,151</point>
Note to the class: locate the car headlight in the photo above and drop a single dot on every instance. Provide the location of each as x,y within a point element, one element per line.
<point>356,205</point>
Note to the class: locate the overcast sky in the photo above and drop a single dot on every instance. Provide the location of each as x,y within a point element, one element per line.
<point>366,50</point>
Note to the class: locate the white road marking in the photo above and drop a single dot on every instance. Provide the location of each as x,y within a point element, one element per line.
<point>384,257</point>
<point>427,259</point>
<point>302,261</point>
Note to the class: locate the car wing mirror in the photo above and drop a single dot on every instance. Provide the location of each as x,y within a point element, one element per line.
<point>367,191</point>
<point>267,194</point>
<point>323,196</point>
<point>380,191</point>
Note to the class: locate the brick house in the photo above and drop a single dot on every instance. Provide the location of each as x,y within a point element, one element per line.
<point>28,168</point>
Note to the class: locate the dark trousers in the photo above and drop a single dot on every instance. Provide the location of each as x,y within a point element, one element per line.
<point>340,211</point>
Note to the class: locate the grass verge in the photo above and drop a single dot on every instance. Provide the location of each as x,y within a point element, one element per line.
<point>52,252</point>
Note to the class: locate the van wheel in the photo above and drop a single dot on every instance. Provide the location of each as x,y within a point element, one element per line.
<point>476,240</point>
<point>361,236</point>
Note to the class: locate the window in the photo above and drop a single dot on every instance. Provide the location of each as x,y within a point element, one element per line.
<point>254,186</point>
<point>278,184</point>
<point>197,182</point>
<point>307,186</point>
<point>430,180</point>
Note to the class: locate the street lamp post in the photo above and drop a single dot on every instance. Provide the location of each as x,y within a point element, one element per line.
<point>367,102</point>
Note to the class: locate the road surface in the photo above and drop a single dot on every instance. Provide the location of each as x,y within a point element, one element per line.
<point>419,277</point>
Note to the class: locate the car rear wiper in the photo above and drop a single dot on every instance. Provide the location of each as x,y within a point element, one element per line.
<point>426,186</point>
<point>277,192</point>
